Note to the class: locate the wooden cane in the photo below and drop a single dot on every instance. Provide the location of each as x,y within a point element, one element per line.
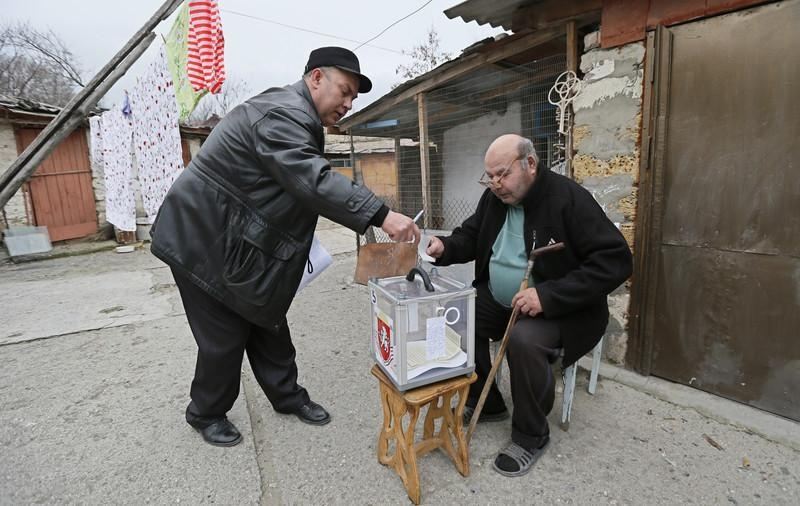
<point>504,343</point>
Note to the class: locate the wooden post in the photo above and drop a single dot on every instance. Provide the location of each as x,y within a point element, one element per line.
<point>398,205</point>
<point>80,105</point>
<point>572,64</point>
<point>424,158</point>
<point>572,47</point>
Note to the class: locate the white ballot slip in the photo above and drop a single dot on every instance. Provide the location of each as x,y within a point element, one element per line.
<point>422,246</point>
<point>318,260</point>
<point>434,338</point>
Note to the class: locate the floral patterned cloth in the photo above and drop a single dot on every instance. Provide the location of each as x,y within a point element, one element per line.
<point>156,136</point>
<point>177,45</point>
<point>111,149</point>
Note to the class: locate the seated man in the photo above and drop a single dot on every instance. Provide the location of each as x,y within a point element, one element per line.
<point>565,305</point>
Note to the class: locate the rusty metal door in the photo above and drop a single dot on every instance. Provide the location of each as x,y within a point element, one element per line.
<point>61,188</point>
<point>725,313</point>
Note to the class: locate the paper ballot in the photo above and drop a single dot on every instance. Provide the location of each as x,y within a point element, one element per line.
<point>422,246</point>
<point>318,260</point>
<point>435,347</point>
<point>416,354</point>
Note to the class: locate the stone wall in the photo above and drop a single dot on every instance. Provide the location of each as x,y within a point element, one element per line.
<point>14,211</point>
<point>607,133</point>
<point>99,187</point>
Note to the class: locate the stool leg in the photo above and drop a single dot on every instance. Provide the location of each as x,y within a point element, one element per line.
<point>404,460</point>
<point>449,431</point>
<point>410,472</point>
<point>456,427</point>
<point>387,431</point>
<point>434,412</point>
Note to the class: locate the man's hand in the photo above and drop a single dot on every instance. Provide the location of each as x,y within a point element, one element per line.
<point>435,247</point>
<point>527,301</point>
<point>400,227</point>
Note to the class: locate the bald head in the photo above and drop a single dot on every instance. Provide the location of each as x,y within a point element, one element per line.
<point>511,145</point>
<point>511,164</point>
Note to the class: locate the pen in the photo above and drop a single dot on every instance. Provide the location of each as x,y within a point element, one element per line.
<point>419,215</point>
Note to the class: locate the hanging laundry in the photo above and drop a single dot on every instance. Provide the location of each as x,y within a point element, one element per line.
<point>111,143</point>
<point>206,67</point>
<point>156,134</point>
<point>177,44</point>
<point>126,105</point>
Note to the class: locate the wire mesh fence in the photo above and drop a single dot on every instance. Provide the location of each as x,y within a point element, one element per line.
<point>463,118</point>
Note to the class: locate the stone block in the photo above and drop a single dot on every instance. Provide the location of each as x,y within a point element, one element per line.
<point>627,205</point>
<point>591,40</point>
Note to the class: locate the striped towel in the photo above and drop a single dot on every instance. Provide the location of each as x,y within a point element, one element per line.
<point>206,67</point>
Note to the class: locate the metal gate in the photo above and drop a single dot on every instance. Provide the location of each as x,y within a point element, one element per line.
<point>61,188</point>
<point>720,293</point>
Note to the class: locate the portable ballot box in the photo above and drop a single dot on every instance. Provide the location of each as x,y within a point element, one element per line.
<point>423,327</point>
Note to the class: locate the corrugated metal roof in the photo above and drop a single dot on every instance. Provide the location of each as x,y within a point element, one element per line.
<point>27,106</point>
<point>493,12</point>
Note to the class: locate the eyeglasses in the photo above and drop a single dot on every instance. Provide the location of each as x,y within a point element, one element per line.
<point>495,181</point>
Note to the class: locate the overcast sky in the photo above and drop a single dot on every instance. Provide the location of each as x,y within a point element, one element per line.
<point>262,54</point>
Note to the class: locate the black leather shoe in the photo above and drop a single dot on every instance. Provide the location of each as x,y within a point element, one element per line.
<point>313,413</point>
<point>219,433</point>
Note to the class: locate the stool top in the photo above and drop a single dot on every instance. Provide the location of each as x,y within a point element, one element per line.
<point>425,393</point>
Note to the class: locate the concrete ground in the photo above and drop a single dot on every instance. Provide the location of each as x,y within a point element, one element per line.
<point>96,360</point>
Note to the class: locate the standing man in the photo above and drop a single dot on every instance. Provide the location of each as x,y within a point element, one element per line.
<point>565,306</point>
<point>236,229</point>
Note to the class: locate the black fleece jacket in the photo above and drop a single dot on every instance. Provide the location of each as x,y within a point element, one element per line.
<point>572,283</point>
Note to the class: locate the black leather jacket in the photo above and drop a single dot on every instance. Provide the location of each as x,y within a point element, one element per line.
<point>240,219</point>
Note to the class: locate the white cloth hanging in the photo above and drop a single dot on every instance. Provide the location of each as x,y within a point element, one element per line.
<point>111,146</point>
<point>156,134</point>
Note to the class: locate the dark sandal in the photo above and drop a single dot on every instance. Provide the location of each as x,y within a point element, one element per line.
<point>523,458</point>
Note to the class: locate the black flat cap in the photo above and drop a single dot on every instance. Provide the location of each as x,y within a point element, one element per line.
<point>340,58</point>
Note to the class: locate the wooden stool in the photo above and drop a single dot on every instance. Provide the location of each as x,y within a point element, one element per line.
<point>438,397</point>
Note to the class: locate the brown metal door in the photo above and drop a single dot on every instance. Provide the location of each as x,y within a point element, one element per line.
<point>61,188</point>
<point>725,315</point>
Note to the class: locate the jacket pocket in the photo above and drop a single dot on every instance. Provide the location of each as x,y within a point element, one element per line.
<point>256,261</point>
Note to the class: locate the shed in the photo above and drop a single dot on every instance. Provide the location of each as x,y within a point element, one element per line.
<point>685,131</point>
<point>66,192</point>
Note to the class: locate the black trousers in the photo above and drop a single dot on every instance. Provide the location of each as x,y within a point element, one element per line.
<point>534,344</point>
<point>223,336</point>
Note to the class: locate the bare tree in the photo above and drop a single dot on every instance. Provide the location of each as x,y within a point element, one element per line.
<point>37,65</point>
<point>426,57</point>
<point>234,91</point>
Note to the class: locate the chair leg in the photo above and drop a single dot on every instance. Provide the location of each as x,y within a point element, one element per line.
<point>569,391</point>
<point>494,348</point>
<point>596,356</point>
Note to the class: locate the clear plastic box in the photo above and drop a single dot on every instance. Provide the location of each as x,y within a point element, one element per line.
<point>422,334</point>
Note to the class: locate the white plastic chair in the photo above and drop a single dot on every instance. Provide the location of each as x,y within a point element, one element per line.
<point>568,375</point>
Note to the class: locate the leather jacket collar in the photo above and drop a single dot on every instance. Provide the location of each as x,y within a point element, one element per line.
<point>301,88</point>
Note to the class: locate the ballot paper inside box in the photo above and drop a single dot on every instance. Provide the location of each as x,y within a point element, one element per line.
<point>422,334</point>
